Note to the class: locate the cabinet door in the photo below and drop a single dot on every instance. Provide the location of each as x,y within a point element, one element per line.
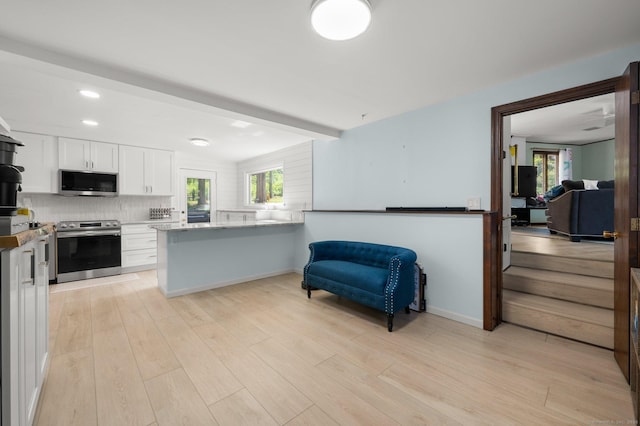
<point>74,154</point>
<point>11,281</point>
<point>39,157</point>
<point>131,175</point>
<point>104,157</point>
<point>42,307</point>
<point>27,336</point>
<point>159,172</point>
<point>148,240</point>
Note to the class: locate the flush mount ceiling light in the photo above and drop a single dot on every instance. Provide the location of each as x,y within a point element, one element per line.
<point>340,19</point>
<point>91,123</point>
<point>89,94</point>
<point>241,124</point>
<point>199,142</point>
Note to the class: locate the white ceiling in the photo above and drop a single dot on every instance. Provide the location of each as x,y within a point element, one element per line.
<point>572,123</point>
<point>172,70</point>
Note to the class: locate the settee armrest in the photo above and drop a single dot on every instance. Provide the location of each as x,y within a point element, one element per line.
<point>560,212</point>
<point>401,284</point>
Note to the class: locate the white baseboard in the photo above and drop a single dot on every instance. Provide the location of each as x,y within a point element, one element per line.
<point>244,279</point>
<point>454,316</point>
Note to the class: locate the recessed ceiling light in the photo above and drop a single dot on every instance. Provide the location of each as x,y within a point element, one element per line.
<point>340,19</point>
<point>241,124</point>
<point>199,142</point>
<point>90,94</point>
<point>90,122</point>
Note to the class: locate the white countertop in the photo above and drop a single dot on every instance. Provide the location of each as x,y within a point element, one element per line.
<point>149,222</point>
<point>228,225</point>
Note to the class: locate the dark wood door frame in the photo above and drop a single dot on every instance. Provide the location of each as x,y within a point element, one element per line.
<point>492,297</point>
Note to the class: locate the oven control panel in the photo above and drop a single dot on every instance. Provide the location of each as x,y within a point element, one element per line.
<point>88,225</point>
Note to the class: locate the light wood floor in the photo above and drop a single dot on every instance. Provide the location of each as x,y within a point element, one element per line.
<point>261,353</point>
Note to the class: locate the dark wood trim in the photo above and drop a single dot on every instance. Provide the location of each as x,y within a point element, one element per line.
<point>490,270</point>
<point>626,206</point>
<point>439,213</point>
<point>492,300</point>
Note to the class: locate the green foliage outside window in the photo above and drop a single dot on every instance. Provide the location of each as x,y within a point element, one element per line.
<point>266,187</point>
<point>547,170</point>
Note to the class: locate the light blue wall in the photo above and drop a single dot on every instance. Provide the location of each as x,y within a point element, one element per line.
<point>428,236</point>
<point>198,259</point>
<point>438,155</point>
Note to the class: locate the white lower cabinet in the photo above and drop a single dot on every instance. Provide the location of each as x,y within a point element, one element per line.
<point>25,329</point>
<point>139,250</point>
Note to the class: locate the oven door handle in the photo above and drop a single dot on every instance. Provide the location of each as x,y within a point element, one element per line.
<point>80,234</point>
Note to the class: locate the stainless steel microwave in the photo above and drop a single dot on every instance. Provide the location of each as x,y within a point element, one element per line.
<point>87,183</point>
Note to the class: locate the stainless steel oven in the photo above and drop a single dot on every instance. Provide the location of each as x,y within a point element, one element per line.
<point>88,249</point>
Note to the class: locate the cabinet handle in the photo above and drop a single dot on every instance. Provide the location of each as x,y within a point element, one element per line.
<point>151,189</point>
<point>46,250</point>
<point>33,267</point>
<point>92,164</point>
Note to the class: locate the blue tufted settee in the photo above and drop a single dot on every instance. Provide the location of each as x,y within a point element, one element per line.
<point>375,275</point>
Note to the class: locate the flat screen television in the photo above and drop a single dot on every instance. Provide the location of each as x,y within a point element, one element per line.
<point>526,181</point>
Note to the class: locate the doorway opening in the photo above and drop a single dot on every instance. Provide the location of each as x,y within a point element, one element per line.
<point>197,192</point>
<point>493,297</point>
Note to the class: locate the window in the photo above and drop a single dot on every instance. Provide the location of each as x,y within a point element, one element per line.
<point>266,187</point>
<point>547,174</point>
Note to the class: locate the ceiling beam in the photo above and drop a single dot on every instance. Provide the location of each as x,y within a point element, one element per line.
<point>136,81</point>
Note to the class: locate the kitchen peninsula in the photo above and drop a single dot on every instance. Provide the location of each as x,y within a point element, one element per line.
<point>196,257</point>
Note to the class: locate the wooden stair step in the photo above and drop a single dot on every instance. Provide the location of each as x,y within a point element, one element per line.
<point>571,265</point>
<point>588,290</point>
<point>567,319</point>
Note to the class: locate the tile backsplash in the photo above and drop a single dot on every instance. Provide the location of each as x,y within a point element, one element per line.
<point>55,208</point>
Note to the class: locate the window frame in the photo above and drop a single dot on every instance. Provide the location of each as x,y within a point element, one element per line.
<point>545,172</point>
<point>247,185</point>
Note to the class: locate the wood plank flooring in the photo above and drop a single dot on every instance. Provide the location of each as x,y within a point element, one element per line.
<point>262,353</point>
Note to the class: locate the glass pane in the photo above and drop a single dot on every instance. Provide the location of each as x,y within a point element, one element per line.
<point>198,200</point>
<point>266,187</point>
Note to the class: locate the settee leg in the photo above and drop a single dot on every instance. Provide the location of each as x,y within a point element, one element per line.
<point>390,322</point>
<point>308,292</point>
<point>407,310</point>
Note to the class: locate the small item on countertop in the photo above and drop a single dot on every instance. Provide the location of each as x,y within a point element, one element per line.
<point>156,213</point>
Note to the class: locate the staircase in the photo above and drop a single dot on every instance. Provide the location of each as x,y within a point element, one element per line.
<point>567,294</point>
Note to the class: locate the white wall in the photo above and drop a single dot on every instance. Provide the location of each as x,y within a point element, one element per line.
<point>226,176</point>
<point>436,156</point>
<point>56,208</point>
<point>298,176</point>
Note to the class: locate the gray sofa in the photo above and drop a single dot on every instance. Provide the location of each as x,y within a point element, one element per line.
<point>582,213</point>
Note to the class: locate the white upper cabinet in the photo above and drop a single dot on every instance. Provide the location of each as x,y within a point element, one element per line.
<point>145,171</point>
<point>39,157</point>
<point>78,154</point>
